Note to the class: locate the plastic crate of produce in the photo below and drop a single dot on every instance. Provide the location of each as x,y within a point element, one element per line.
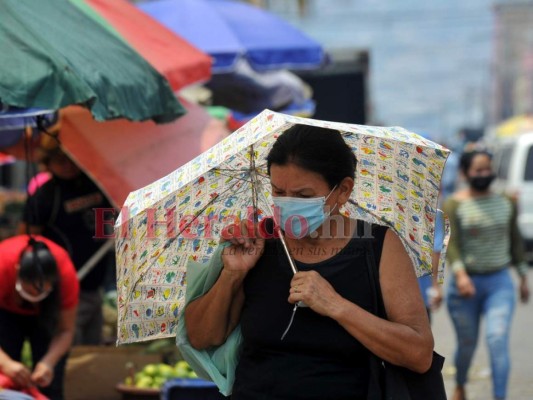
<point>133,393</point>
<point>190,389</point>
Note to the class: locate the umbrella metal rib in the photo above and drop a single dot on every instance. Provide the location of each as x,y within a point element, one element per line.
<point>391,226</point>
<point>218,197</point>
<point>254,181</point>
<point>282,239</point>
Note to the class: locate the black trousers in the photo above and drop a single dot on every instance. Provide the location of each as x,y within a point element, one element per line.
<point>14,329</point>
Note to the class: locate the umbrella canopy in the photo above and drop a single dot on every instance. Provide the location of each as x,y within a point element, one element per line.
<point>176,59</point>
<point>229,30</point>
<point>56,55</point>
<point>15,123</point>
<point>121,156</point>
<point>397,185</point>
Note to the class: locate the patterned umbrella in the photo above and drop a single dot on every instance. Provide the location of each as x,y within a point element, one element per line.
<point>179,217</point>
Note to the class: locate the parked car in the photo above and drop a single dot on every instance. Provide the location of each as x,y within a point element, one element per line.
<point>513,161</point>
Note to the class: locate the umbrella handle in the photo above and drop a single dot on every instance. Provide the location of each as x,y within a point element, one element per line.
<point>291,261</point>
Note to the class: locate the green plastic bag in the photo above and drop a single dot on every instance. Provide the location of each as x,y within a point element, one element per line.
<point>216,364</point>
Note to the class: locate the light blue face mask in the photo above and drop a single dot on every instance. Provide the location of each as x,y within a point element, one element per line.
<point>301,216</point>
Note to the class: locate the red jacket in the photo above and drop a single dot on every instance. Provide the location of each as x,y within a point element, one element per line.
<point>10,250</point>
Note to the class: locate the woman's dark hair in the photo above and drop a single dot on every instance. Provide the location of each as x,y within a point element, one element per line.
<point>467,157</point>
<point>315,149</point>
<point>37,266</point>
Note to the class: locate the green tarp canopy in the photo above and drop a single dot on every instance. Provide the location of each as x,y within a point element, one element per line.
<point>55,54</point>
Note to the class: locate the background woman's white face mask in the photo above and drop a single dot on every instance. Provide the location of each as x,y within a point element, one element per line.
<point>30,297</point>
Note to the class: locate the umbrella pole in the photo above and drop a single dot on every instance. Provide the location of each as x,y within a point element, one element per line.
<point>254,181</point>
<point>254,184</point>
<point>294,270</point>
<point>278,230</point>
<point>286,248</point>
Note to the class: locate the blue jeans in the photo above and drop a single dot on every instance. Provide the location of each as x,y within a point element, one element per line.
<point>495,300</point>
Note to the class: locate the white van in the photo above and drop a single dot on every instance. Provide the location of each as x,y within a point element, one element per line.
<point>513,161</point>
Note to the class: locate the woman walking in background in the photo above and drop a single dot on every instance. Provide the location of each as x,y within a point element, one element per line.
<point>484,242</point>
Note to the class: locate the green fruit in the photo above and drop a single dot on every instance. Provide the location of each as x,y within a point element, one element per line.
<point>182,364</point>
<point>158,382</point>
<point>144,383</point>
<point>164,367</point>
<point>166,371</point>
<point>128,381</point>
<point>151,370</point>
<point>192,375</point>
<point>181,372</point>
<point>138,376</point>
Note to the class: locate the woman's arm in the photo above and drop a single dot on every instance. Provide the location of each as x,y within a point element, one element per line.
<point>517,253</point>
<point>436,298</point>
<point>43,372</point>
<point>453,253</point>
<point>464,284</point>
<point>406,338</point>
<point>517,242</point>
<point>15,370</point>
<point>211,318</point>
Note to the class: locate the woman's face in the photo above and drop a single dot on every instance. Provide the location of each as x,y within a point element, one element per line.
<point>481,166</point>
<point>62,166</point>
<point>293,181</point>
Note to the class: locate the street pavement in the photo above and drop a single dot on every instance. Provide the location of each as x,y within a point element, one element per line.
<point>480,384</point>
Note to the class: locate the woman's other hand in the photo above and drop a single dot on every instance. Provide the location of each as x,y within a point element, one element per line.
<point>42,374</point>
<point>313,290</point>
<point>243,248</point>
<point>464,284</point>
<point>19,374</point>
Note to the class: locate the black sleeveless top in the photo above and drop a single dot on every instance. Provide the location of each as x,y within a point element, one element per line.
<point>317,359</point>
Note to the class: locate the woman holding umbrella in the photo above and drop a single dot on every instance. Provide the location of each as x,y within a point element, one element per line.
<point>325,353</point>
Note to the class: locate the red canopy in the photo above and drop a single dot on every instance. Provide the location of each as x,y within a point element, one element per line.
<point>176,59</point>
<point>121,156</point>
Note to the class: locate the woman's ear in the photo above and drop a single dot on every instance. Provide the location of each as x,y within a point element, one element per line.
<point>345,190</point>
